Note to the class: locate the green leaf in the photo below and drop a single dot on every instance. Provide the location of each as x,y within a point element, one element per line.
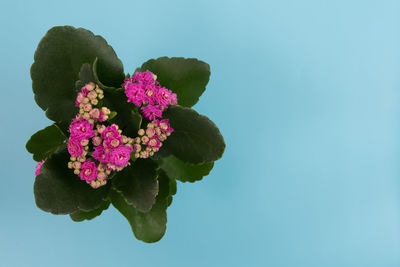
<point>185,172</point>
<point>59,191</point>
<point>138,184</point>
<point>172,189</point>
<point>150,226</point>
<point>112,115</point>
<point>45,142</point>
<point>127,118</point>
<point>85,76</point>
<point>187,77</point>
<point>81,215</point>
<point>58,61</point>
<point>196,139</point>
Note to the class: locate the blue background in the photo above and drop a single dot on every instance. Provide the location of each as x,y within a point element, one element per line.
<point>306,94</point>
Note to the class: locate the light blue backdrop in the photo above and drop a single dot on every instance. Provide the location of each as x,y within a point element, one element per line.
<point>306,94</point>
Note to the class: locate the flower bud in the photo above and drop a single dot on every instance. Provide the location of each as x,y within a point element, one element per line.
<point>137,147</point>
<point>92,95</point>
<point>87,107</point>
<point>150,132</point>
<point>90,86</point>
<point>84,142</point>
<point>101,128</point>
<point>95,113</point>
<point>101,176</point>
<point>94,184</point>
<point>96,140</point>
<point>105,110</point>
<point>86,116</point>
<point>76,165</point>
<point>145,139</point>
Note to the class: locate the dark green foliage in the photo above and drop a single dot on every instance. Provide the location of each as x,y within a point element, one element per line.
<point>45,142</point>
<point>185,172</point>
<point>138,184</point>
<point>58,190</point>
<point>150,226</point>
<point>80,215</point>
<point>58,60</point>
<point>196,139</point>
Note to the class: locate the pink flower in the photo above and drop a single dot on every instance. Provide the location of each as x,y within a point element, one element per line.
<point>97,140</point>
<point>120,156</point>
<point>94,113</point>
<point>145,77</point>
<point>135,94</point>
<point>100,154</point>
<point>141,88</point>
<point>88,171</point>
<point>81,129</point>
<point>110,131</point>
<point>163,97</point>
<point>173,99</point>
<point>74,146</point>
<point>164,126</point>
<point>154,142</point>
<point>38,167</point>
<point>112,142</point>
<point>151,112</point>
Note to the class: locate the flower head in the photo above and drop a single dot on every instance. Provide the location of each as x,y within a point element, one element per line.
<point>81,129</point>
<point>164,97</point>
<point>165,126</point>
<point>75,147</point>
<point>88,171</point>
<point>100,154</point>
<point>110,131</point>
<point>135,94</point>
<point>120,156</point>
<point>151,112</point>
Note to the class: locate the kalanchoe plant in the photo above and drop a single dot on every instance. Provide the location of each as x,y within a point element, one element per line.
<point>117,139</point>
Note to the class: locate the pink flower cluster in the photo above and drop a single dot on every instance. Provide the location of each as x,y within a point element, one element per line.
<point>144,91</point>
<point>111,148</point>
<point>87,98</point>
<point>150,140</point>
